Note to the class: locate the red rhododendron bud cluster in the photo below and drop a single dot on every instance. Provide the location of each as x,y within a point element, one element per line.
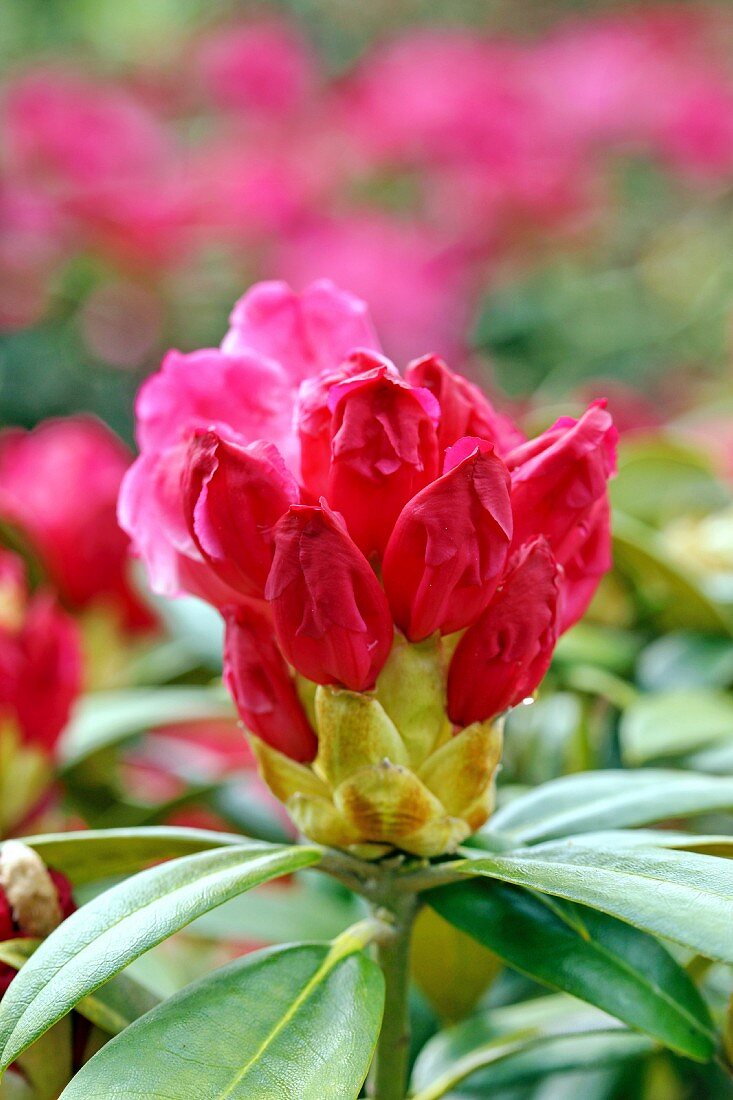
<point>40,662</point>
<point>58,486</point>
<point>324,502</point>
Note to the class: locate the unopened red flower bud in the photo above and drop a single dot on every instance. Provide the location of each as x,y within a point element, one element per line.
<point>234,495</point>
<point>464,410</point>
<point>332,617</point>
<point>449,546</point>
<point>314,417</point>
<point>40,659</point>
<point>262,685</point>
<point>49,680</point>
<point>585,563</point>
<point>384,450</point>
<point>501,659</point>
<point>558,477</point>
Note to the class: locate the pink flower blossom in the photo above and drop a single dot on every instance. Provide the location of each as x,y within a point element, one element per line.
<point>340,528</point>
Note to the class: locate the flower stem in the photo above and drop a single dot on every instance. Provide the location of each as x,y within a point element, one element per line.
<point>388,1076</point>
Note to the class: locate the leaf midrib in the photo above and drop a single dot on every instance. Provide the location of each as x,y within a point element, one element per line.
<point>621,964</point>
<point>329,963</point>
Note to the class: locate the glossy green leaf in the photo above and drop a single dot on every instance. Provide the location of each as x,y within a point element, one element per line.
<point>112,1007</point>
<point>292,1023</point>
<point>608,799</point>
<point>105,718</point>
<point>703,843</point>
<point>102,937</point>
<point>521,1043</point>
<point>682,896</point>
<point>673,724</point>
<point>597,958</point>
<point>103,853</point>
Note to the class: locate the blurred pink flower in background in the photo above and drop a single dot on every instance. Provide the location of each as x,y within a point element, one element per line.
<point>418,175</point>
<point>421,289</point>
<point>59,487</point>
<point>73,132</point>
<point>652,79</point>
<point>262,68</point>
<point>32,241</point>
<point>111,165</point>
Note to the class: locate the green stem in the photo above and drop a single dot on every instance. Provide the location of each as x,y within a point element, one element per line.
<point>388,1076</point>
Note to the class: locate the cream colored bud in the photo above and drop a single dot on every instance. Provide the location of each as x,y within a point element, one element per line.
<point>29,889</point>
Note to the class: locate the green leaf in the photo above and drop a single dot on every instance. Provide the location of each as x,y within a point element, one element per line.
<point>45,1068</point>
<point>521,1043</point>
<point>690,485</point>
<point>589,801</point>
<point>686,660</point>
<point>292,1023</point>
<point>313,907</point>
<point>671,594</point>
<point>715,760</point>
<point>112,1007</point>
<point>117,1003</point>
<point>703,843</point>
<point>607,647</point>
<point>682,896</point>
<point>16,953</point>
<point>105,718</point>
<point>581,951</point>
<point>102,937</point>
<point>678,722</point>
<point>103,853</point>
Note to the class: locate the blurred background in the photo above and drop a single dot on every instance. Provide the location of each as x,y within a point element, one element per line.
<point>540,192</point>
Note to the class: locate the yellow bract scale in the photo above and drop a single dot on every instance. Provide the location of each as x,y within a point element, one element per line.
<point>390,772</point>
